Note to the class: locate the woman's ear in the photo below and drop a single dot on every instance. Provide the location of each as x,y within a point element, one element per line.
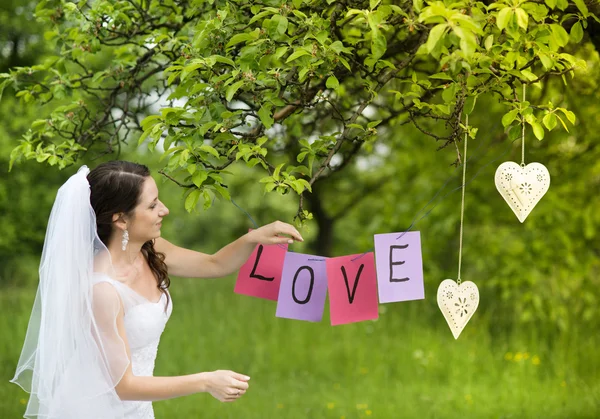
<point>118,220</point>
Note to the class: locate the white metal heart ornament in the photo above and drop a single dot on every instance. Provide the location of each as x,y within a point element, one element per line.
<point>457,303</point>
<point>522,187</point>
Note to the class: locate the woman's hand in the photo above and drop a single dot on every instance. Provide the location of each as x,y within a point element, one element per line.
<point>275,233</point>
<point>226,386</point>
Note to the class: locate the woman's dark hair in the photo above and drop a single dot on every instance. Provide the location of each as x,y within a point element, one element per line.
<point>116,187</point>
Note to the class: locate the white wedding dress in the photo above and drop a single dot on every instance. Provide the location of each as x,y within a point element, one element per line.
<point>144,323</point>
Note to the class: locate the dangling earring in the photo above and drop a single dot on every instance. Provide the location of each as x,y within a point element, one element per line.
<point>125,240</point>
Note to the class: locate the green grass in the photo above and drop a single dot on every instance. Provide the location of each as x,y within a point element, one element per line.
<point>405,365</point>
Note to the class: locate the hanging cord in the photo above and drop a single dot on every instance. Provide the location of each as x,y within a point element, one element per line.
<point>462,203</point>
<point>245,212</point>
<point>523,131</point>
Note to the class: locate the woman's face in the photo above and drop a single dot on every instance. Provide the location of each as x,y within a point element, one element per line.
<point>148,214</point>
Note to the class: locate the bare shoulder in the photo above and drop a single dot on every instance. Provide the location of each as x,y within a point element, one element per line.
<point>162,245</point>
<point>105,296</point>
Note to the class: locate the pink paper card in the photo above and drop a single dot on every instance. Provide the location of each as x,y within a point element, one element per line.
<point>260,276</point>
<point>303,288</point>
<point>352,288</point>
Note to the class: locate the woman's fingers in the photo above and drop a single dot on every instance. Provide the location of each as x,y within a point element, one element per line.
<point>290,230</point>
<point>236,394</point>
<point>240,377</point>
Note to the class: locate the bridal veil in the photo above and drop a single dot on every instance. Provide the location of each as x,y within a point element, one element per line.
<point>73,356</point>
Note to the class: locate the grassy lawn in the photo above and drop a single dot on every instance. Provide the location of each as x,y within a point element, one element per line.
<point>405,365</point>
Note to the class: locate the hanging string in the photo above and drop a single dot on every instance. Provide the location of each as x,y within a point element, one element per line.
<point>245,212</point>
<point>462,202</point>
<point>523,131</point>
<point>282,246</point>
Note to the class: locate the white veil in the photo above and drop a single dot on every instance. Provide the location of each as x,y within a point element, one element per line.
<point>73,356</point>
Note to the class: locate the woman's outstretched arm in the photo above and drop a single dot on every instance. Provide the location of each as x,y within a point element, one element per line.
<point>192,264</point>
<point>226,386</point>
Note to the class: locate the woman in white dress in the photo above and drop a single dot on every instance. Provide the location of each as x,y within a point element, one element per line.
<point>103,300</point>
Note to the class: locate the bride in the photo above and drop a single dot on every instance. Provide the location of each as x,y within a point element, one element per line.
<point>103,300</point>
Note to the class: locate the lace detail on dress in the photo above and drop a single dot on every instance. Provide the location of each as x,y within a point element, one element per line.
<point>144,324</point>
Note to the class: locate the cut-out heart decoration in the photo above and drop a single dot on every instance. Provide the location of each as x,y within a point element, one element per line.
<point>457,303</point>
<point>522,187</point>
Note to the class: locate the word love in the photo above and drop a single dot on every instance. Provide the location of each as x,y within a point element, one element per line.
<point>356,283</point>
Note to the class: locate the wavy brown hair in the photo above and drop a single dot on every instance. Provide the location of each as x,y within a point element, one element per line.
<point>116,187</point>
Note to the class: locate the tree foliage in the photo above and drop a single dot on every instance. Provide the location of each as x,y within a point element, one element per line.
<point>299,88</point>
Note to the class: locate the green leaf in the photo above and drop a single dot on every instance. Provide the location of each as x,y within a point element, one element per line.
<point>192,200</point>
<point>509,117</point>
<point>550,121</point>
<point>378,44</point>
<point>276,171</point>
<point>222,191</point>
<point>522,18</point>
<point>270,186</point>
<point>297,54</point>
<point>344,62</point>
<point>529,75</point>
<point>224,60</point>
<point>357,126</point>
<point>281,23</point>
<point>582,7</point>
<point>338,47</point>
<point>468,42</point>
<point>208,149</point>
<point>576,33</point>
<point>562,4</point>
<point>562,122</point>
<point>470,104</point>
<point>266,179</point>
<point>260,16</point>
<point>504,17</point>
<point>570,115</point>
<point>199,177</point>
<point>301,156</point>
<point>551,3</point>
<point>441,76</point>
<point>231,90</point>
<point>332,83</point>
<point>560,34</point>
<point>305,183</point>
<point>434,35</point>
<point>39,124</point>
<point>538,130</point>
<point>242,37</point>
<point>449,93</point>
<point>264,113</point>
<point>547,62</point>
<point>489,42</point>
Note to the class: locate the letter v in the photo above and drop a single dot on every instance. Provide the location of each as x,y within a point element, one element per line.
<point>353,293</point>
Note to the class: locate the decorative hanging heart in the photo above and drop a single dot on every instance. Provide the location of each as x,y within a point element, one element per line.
<point>457,303</point>
<point>522,187</point>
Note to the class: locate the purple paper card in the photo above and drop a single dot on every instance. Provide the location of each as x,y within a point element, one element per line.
<point>303,288</point>
<point>399,267</point>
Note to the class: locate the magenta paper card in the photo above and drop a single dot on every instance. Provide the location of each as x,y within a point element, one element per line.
<point>352,288</point>
<point>260,276</point>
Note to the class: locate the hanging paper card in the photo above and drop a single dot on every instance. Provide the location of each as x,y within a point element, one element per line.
<point>352,288</point>
<point>522,187</point>
<point>260,276</point>
<point>303,287</point>
<point>457,303</point>
<point>399,267</point>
